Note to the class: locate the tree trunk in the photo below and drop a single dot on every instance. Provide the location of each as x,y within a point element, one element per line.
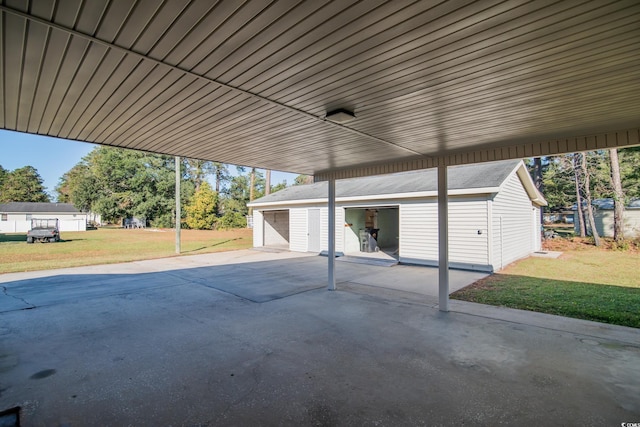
<point>576,172</point>
<point>537,180</point>
<point>252,184</point>
<point>267,184</point>
<point>587,193</point>
<point>618,198</point>
<point>537,173</point>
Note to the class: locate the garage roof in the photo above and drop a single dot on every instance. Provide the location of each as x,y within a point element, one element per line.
<point>482,178</point>
<point>34,207</point>
<point>250,82</point>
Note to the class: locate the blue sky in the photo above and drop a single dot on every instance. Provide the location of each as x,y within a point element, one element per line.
<point>52,157</point>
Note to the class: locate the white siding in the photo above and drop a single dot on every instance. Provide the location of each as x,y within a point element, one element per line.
<point>22,226</point>
<point>324,226</point>
<point>604,223</point>
<point>419,232</point>
<point>468,232</point>
<point>536,229</point>
<point>512,217</point>
<point>298,229</point>
<point>467,248</point>
<point>258,224</point>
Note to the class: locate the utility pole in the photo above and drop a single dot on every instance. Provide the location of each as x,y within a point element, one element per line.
<point>178,213</point>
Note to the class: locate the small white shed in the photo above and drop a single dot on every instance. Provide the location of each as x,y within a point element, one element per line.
<point>494,216</point>
<point>15,217</point>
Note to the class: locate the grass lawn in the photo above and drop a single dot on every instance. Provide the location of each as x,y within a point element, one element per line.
<point>106,246</point>
<point>585,282</point>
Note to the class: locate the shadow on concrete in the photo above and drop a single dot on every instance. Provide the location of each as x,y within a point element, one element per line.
<point>255,342</point>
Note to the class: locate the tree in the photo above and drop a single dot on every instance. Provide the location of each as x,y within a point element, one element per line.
<point>78,186</point>
<point>558,181</point>
<point>630,171</point>
<point>618,197</point>
<point>119,183</point>
<point>203,209</point>
<point>3,175</point>
<point>267,185</point>
<point>586,176</point>
<point>303,180</point>
<point>23,185</point>
<point>252,187</point>
<point>234,205</point>
<point>221,173</point>
<point>577,173</point>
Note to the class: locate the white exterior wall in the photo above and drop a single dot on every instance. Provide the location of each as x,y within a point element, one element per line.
<point>324,226</point>
<point>467,248</point>
<point>258,229</point>
<point>536,229</point>
<point>298,224</point>
<point>478,240</point>
<point>512,224</point>
<point>24,226</point>
<point>18,223</point>
<point>604,223</point>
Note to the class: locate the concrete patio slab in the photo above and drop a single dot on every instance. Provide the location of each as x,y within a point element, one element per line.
<point>197,341</point>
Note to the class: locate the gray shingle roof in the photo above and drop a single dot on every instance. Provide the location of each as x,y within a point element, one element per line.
<point>481,175</point>
<point>31,207</point>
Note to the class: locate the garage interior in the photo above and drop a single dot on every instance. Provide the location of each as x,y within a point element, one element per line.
<point>372,230</point>
<point>276,229</point>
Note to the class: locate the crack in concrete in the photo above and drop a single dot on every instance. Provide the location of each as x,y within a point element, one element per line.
<point>6,292</point>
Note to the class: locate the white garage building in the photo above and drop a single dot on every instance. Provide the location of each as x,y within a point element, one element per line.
<point>15,217</point>
<point>494,216</point>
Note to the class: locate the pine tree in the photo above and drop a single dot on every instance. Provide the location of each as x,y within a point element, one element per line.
<point>23,185</point>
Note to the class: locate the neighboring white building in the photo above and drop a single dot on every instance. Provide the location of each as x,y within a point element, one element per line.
<point>15,217</point>
<point>494,215</point>
<point>603,217</point>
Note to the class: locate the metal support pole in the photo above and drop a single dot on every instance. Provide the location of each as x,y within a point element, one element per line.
<point>178,213</point>
<point>443,240</point>
<point>332,235</point>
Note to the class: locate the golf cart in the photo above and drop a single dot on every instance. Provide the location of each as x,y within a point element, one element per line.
<point>44,230</point>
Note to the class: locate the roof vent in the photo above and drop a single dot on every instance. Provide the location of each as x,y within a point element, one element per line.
<point>340,116</point>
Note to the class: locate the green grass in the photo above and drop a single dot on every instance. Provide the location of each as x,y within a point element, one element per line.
<point>585,283</point>
<point>106,246</point>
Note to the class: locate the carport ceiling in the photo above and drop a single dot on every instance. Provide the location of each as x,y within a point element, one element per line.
<point>250,82</point>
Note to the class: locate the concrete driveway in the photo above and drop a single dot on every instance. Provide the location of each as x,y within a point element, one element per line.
<point>253,338</point>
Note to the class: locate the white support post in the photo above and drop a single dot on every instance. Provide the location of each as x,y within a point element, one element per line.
<point>331,253</point>
<point>178,213</point>
<point>443,239</point>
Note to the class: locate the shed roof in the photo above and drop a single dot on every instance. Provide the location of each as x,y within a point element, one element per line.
<point>487,177</point>
<point>33,207</point>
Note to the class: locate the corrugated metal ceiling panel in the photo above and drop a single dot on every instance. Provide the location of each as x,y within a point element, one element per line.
<point>250,82</point>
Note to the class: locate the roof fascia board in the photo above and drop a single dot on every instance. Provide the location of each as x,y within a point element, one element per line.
<point>381,197</point>
<point>528,184</point>
<point>598,141</point>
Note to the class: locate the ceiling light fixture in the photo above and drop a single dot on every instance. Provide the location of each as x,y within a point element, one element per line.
<point>340,116</point>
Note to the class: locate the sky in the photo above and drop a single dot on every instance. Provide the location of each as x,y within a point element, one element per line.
<point>52,157</point>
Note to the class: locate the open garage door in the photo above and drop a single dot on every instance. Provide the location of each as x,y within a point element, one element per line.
<point>372,229</point>
<point>276,228</point>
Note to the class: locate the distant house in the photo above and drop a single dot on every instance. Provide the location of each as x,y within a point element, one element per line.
<point>603,217</point>
<point>15,217</point>
<point>494,216</point>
